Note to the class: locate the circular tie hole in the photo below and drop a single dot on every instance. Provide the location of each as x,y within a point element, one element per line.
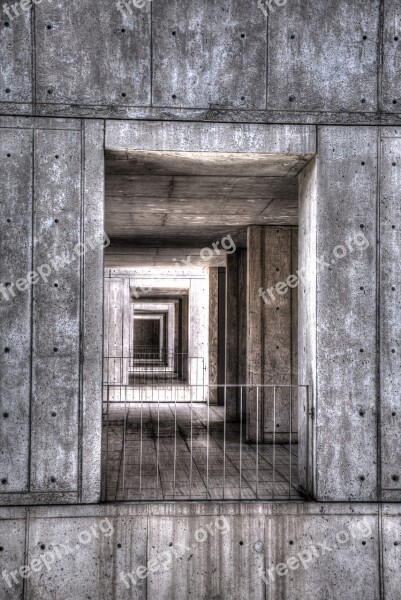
<point>123,30</point>
<point>8,155</point>
<point>362,288</point>
<point>361,226</point>
<point>291,98</point>
<point>173,33</point>
<point>6,24</point>
<point>361,350</point>
<point>170,544</point>
<point>118,545</point>
<point>362,478</point>
<point>6,350</point>
<point>396,38</point>
<point>362,163</point>
<point>55,349</point>
<point>8,220</point>
<point>393,413</point>
<point>49,91</point>
<point>49,27</point>
<point>54,414</point>
<point>174,96</point>
<point>241,543</point>
<point>53,479</point>
<point>362,413</point>
<point>395,543</point>
<point>242,35</point>
<point>394,101</point>
<point>364,543</point>
<point>56,285</point>
<point>42,546</point>
<point>8,90</point>
<point>393,351</point>
<point>393,227</point>
<point>363,100</point>
<point>395,478</point>
<point>364,37</point>
<point>56,220</point>
<point>4,481</point>
<point>5,415</point>
<point>291,543</point>
<point>242,98</point>
<point>123,94</point>
<point>56,156</point>
<point>393,289</point>
<point>394,164</point>
<point>277,308</point>
<point>293,37</point>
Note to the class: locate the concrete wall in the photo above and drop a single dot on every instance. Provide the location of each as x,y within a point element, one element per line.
<point>332,63</point>
<point>51,331</point>
<point>338,544</point>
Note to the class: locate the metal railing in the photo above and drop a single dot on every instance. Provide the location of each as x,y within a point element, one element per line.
<point>170,448</point>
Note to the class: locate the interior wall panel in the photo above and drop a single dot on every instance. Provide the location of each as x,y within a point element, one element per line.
<point>16,56</point>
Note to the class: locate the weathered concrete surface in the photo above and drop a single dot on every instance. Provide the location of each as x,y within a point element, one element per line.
<point>346,360</point>
<point>389,277</point>
<point>206,61</point>
<point>56,207</point>
<point>226,546</point>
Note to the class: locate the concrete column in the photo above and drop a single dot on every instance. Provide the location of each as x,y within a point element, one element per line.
<point>270,325</point>
<point>213,333</point>
<point>235,330</point>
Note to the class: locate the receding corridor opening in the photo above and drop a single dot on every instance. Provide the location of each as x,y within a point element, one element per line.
<point>201,395</point>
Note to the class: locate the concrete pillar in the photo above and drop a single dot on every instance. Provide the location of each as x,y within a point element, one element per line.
<point>213,333</point>
<point>270,352</point>
<point>235,349</point>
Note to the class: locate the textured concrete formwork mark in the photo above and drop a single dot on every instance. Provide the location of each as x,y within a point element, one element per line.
<point>307,319</point>
<point>390,307</point>
<point>218,557</point>
<point>15,312</point>
<point>211,137</point>
<point>89,553</point>
<point>340,557</point>
<point>56,306</point>
<point>87,53</point>
<point>227,37</point>
<point>12,556</point>
<point>16,58</point>
<point>390,76</point>
<point>346,314</point>
<point>328,53</point>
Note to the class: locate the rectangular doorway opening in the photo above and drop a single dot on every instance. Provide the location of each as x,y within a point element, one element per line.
<point>201,392</point>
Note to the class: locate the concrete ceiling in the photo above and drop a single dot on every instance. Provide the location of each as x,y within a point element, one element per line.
<point>157,201</point>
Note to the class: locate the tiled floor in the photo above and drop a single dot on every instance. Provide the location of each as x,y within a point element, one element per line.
<point>147,461</point>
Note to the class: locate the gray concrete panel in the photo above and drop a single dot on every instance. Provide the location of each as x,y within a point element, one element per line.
<point>88,53</point>
<point>15,307</point>
<point>346,314</point>
<point>186,39</point>
<point>323,56</point>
